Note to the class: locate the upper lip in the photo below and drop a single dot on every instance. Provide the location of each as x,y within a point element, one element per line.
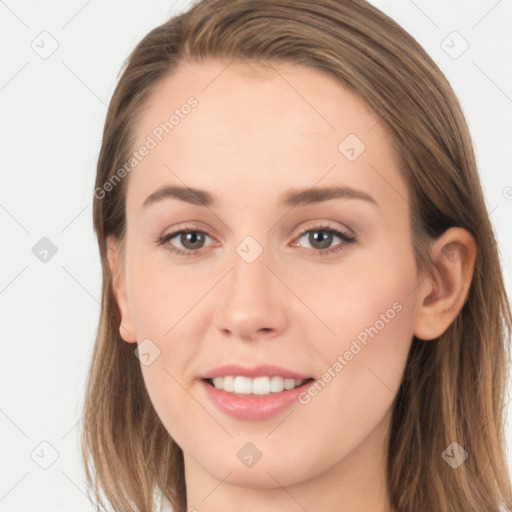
<point>253,371</point>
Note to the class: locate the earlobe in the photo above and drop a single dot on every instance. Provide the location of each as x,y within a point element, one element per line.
<point>443,292</point>
<point>116,266</point>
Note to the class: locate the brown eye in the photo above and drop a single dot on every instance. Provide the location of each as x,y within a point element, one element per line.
<point>191,241</point>
<point>321,238</point>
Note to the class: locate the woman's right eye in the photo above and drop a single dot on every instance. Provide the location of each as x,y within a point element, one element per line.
<point>185,237</point>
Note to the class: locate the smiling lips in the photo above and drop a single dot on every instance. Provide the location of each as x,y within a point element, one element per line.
<point>253,393</point>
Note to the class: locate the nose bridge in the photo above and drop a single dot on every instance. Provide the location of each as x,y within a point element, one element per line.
<point>250,298</point>
<point>250,265</point>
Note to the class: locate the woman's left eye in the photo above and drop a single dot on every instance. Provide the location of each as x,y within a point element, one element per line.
<point>325,239</point>
<point>192,240</point>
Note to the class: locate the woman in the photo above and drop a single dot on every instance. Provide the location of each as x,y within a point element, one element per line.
<point>303,306</point>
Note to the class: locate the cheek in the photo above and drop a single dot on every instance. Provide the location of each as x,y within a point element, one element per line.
<point>372,314</point>
<point>370,290</point>
<point>362,372</point>
<point>164,305</point>
<point>160,295</point>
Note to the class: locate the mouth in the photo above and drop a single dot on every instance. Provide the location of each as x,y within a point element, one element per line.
<point>254,393</point>
<point>258,386</point>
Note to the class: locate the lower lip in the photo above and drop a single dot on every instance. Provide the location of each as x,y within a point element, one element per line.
<point>253,407</point>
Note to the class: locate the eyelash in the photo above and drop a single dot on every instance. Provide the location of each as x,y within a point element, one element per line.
<point>346,237</point>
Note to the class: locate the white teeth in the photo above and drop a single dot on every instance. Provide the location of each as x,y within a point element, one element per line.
<point>261,386</point>
<point>228,384</point>
<point>243,385</point>
<point>289,383</point>
<point>257,386</point>
<point>276,384</point>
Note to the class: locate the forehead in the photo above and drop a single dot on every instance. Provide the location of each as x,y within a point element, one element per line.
<point>277,124</point>
<point>258,94</point>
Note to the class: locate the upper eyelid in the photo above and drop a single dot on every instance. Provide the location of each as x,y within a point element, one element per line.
<point>318,227</point>
<point>312,224</point>
<point>325,226</point>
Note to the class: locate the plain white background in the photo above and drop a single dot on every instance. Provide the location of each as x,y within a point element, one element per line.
<point>52,114</point>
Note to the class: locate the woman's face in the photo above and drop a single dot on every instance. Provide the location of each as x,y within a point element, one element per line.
<point>280,268</point>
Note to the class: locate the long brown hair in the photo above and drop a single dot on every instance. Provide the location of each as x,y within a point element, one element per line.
<point>453,387</point>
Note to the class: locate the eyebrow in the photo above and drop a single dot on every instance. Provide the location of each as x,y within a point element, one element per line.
<point>291,198</point>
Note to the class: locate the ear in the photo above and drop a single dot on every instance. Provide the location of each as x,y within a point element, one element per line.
<point>115,255</point>
<point>443,292</point>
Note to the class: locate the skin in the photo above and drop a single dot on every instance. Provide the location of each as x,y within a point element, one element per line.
<point>257,132</point>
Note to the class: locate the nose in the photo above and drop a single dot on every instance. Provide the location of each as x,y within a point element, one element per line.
<point>251,302</point>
